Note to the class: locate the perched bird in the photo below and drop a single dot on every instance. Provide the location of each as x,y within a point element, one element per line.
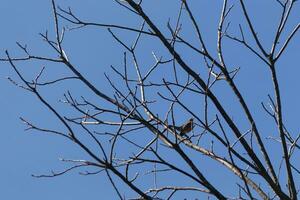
<point>185,128</point>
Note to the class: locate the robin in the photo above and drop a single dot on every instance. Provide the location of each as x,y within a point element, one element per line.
<point>185,128</point>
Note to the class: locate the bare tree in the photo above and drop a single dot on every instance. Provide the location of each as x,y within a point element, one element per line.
<point>162,123</point>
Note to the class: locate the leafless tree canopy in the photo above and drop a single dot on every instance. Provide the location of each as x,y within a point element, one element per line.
<point>174,126</point>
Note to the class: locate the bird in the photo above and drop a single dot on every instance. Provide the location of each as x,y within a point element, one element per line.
<point>185,128</point>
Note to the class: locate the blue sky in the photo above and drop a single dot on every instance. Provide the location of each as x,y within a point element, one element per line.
<point>93,50</point>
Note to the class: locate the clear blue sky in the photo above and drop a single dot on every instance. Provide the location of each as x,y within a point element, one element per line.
<point>93,50</point>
